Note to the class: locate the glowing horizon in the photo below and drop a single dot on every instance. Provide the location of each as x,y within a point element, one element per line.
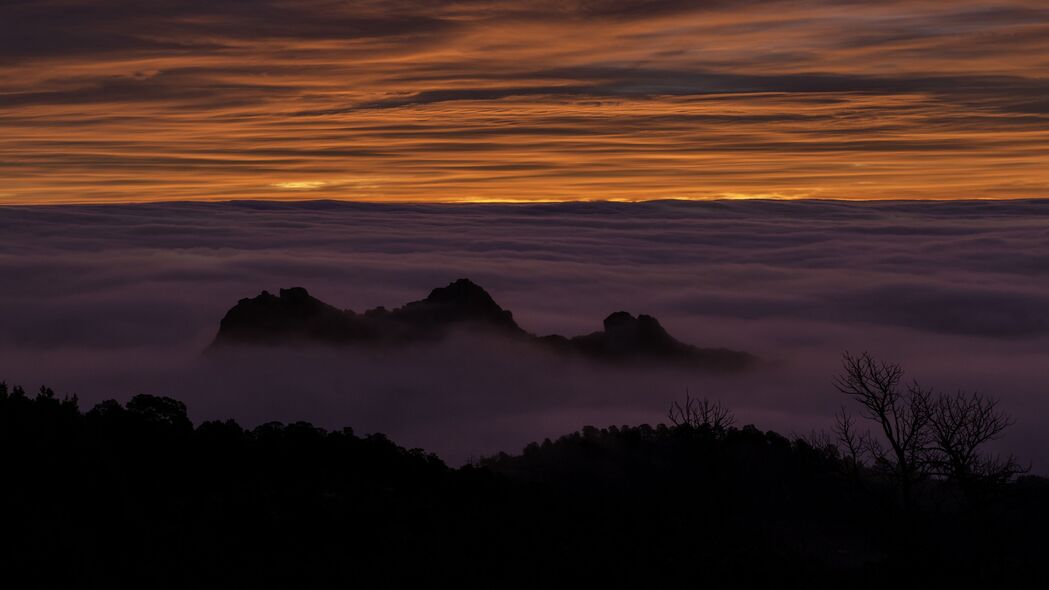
<point>535,101</point>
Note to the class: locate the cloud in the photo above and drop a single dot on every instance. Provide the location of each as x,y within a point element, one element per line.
<point>120,299</point>
<point>532,100</point>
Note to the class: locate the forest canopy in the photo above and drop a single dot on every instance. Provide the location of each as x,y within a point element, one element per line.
<point>135,493</point>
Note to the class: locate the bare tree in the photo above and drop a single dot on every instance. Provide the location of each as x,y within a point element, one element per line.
<point>701,413</point>
<point>856,445</point>
<point>902,413</point>
<point>960,424</point>
<point>820,440</point>
<point>926,434</point>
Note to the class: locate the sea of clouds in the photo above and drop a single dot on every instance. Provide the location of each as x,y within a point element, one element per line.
<point>112,300</point>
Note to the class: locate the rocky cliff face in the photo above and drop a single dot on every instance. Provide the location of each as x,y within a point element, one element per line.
<point>295,317</point>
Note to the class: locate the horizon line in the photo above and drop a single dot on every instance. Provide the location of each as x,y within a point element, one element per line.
<point>520,202</point>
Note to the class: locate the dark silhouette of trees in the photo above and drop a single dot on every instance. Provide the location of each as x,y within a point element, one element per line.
<point>960,425</point>
<point>134,494</point>
<point>922,433</point>
<point>902,414</point>
<point>700,413</point>
<point>163,412</point>
<point>855,444</point>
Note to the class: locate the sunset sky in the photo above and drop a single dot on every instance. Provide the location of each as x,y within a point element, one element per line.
<point>500,100</point>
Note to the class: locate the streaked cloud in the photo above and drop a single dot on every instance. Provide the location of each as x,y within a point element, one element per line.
<point>526,100</point>
<point>301,185</point>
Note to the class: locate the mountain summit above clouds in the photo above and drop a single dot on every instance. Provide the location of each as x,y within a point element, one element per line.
<point>294,317</point>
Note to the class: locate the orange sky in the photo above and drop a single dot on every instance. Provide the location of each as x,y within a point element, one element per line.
<point>441,100</point>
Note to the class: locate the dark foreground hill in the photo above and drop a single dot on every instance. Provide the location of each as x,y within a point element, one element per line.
<point>294,317</point>
<point>136,495</point>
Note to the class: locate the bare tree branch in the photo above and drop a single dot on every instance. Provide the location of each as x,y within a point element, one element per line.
<point>856,445</point>
<point>701,413</point>
<point>960,425</point>
<point>902,414</point>
<point>924,433</point>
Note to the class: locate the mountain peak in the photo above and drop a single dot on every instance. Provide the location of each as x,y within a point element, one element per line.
<point>296,316</point>
<point>292,315</point>
<point>619,320</point>
<point>460,301</point>
<point>294,294</point>
<point>622,323</point>
<point>462,292</point>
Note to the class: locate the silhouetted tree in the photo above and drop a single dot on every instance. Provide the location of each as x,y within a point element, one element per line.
<point>926,433</point>
<point>856,444</point>
<point>960,424</point>
<point>901,413</point>
<point>701,413</point>
<point>133,495</point>
<point>160,410</point>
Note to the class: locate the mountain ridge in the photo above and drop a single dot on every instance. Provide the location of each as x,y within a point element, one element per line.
<point>293,317</point>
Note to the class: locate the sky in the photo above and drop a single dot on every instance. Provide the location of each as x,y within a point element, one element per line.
<point>106,301</point>
<point>522,100</point>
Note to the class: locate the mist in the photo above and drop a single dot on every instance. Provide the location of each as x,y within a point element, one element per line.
<point>106,301</point>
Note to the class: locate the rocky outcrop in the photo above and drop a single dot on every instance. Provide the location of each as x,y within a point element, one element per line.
<point>295,317</point>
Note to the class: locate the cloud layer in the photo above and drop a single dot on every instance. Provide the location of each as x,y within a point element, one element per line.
<point>522,100</point>
<point>115,300</point>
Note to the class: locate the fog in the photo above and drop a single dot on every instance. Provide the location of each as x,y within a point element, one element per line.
<point>112,300</point>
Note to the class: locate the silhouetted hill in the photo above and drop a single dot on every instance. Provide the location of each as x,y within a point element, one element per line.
<point>462,301</point>
<point>643,338</point>
<point>134,495</point>
<point>292,315</point>
<point>296,317</point>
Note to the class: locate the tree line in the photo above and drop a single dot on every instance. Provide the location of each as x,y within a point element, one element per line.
<point>135,494</point>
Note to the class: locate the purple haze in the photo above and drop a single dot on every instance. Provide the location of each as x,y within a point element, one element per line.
<point>108,301</point>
